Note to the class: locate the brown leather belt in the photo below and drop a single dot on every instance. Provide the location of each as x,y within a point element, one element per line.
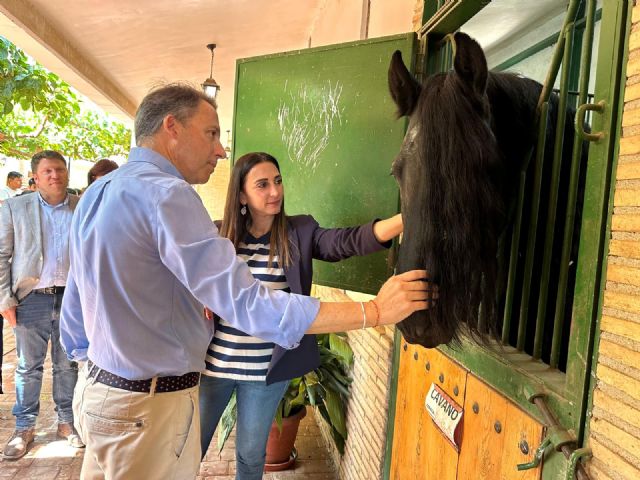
<point>163,384</point>
<point>49,290</point>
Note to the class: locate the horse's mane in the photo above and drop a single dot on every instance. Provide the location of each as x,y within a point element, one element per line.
<point>468,176</point>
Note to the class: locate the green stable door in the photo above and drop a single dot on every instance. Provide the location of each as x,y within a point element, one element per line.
<point>326,115</point>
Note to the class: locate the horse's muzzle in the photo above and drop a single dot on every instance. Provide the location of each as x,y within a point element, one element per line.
<point>417,329</point>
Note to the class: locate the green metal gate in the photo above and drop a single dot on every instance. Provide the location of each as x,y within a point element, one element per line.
<point>551,382</point>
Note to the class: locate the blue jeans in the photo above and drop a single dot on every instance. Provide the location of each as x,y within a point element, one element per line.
<point>38,320</point>
<point>257,403</point>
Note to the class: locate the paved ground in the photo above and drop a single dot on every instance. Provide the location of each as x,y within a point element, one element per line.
<point>53,459</point>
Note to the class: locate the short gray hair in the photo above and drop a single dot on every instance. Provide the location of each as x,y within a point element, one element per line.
<point>178,99</point>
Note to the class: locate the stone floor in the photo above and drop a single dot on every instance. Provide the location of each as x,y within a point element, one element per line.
<point>52,459</point>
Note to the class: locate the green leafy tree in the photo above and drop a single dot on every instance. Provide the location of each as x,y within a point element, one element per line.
<point>40,111</point>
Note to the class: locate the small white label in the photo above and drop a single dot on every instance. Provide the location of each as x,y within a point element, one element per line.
<point>446,414</point>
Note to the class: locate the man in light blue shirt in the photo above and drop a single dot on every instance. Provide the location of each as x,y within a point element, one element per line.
<point>34,263</point>
<point>145,258</point>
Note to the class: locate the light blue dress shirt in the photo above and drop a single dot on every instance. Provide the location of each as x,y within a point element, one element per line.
<point>145,257</point>
<point>55,221</point>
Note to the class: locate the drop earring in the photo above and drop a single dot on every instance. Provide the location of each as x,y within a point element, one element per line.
<point>243,210</point>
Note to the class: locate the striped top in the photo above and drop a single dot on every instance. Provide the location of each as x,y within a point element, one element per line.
<point>234,354</point>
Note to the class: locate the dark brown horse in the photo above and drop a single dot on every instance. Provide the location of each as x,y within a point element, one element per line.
<point>469,133</point>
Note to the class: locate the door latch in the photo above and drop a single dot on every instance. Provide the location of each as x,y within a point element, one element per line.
<point>556,437</point>
<point>559,437</point>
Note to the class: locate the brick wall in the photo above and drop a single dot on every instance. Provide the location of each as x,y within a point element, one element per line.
<point>615,422</point>
<point>368,406</point>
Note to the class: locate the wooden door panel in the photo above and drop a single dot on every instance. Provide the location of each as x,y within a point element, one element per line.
<point>520,428</point>
<point>482,446</point>
<point>420,451</point>
<point>492,437</point>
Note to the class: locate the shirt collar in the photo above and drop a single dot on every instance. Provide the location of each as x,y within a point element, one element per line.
<point>44,203</point>
<point>143,154</point>
<point>264,239</point>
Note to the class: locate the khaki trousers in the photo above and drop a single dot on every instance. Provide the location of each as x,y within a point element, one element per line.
<point>135,436</point>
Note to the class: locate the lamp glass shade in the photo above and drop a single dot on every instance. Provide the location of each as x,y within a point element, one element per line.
<point>210,87</point>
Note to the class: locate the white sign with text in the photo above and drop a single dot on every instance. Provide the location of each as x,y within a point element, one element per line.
<point>446,414</point>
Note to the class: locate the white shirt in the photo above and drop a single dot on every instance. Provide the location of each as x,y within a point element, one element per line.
<point>6,192</point>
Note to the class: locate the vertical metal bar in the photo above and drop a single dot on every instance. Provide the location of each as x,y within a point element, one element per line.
<point>533,226</point>
<point>513,258</point>
<point>557,54</point>
<point>545,93</point>
<point>553,196</point>
<point>585,69</point>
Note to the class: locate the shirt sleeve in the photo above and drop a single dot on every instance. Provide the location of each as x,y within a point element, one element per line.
<point>207,265</point>
<point>73,336</point>
<point>335,244</point>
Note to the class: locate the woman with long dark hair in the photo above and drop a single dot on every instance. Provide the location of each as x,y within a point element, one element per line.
<point>279,251</point>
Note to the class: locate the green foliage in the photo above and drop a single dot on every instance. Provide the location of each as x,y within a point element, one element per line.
<point>227,421</point>
<point>326,388</point>
<point>40,111</point>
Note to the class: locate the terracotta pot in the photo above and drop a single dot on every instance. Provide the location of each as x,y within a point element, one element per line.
<point>280,444</point>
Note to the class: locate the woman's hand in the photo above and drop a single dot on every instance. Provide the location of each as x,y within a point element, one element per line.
<point>403,294</point>
<point>385,230</point>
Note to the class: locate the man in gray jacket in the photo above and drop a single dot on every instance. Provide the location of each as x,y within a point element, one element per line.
<point>34,263</point>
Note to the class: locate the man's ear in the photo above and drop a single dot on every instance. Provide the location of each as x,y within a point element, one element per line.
<point>469,63</point>
<point>170,124</point>
<point>403,87</point>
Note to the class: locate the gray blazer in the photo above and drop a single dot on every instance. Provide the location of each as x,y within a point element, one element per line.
<point>21,247</point>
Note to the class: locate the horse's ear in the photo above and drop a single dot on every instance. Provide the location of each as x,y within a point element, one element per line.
<point>470,63</point>
<point>404,88</point>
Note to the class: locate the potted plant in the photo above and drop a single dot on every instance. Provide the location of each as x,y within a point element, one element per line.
<point>326,388</point>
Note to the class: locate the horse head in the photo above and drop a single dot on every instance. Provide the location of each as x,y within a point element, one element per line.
<point>451,176</point>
